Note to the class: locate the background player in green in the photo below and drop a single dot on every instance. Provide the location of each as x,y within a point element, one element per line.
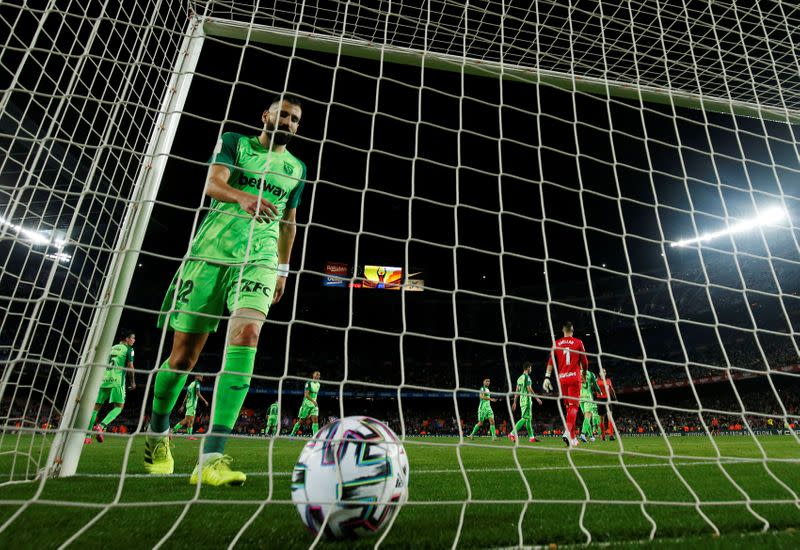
<point>485,410</point>
<point>524,391</point>
<point>190,404</point>
<point>591,419</point>
<point>239,260</point>
<point>309,408</point>
<point>112,389</point>
<point>273,419</point>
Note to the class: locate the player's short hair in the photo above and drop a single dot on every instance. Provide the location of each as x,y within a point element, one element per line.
<point>291,98</point>
<point>527,365</point>
<point>125,333</point>
<point>567,326</point>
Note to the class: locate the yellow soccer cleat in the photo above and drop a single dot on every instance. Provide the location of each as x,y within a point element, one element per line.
<point>217,472</point>
<point>157,456</point>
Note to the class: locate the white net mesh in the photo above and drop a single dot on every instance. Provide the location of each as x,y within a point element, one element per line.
<point>81,91</point>
<point>629,166</point>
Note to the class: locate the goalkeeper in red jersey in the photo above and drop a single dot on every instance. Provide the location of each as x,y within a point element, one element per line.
<point>570,359</point>
<point>603,406</point>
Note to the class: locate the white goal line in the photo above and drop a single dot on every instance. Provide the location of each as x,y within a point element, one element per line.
<point>469,470</point>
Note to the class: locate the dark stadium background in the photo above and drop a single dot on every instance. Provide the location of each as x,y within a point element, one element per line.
<point>407,189</point>
<point>364,327</point>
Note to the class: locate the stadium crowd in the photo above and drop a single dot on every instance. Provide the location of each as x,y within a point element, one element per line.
<point>677,411</point>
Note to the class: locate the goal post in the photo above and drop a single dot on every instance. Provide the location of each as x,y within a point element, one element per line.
<point>66,449</point>
<point>84,90</point>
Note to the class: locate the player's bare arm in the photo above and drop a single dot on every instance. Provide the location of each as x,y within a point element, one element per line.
<point>286,235</point>
<point>217,188</point>
<point>532,394</point>
<point>131,376</point>
<point>486,397</point>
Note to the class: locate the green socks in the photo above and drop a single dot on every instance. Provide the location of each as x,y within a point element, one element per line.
<point>591,427</point>
<point>314,429</point>
<point>234,382</point>
<point>169,384</point>
<point>475,429</point>
<point>526,422</point>
<point>112,414</point>
<point>91,422</point>
<point>109,418</point>
<point>178,426</point>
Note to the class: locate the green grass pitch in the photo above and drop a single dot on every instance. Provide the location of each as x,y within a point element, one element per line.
<point>143,509</point>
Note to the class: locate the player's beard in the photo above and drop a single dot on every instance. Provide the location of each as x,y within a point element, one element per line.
<point>280,135</point>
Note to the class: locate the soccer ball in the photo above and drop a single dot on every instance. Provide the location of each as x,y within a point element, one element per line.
<point>371,463</point>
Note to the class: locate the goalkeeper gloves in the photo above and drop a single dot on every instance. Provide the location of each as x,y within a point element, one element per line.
<point>547,385</point>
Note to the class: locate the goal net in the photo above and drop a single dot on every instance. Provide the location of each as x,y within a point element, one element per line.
<point>479,174</point>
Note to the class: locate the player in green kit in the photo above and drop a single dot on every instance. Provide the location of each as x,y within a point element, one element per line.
<point>273,417</point>
<point>112,388</point>
<point>524,391</point>
<point>309,408</point>
<point>190,400</point>
<point>239,261</point>
<point>591,418</point>
<point>485,410</point>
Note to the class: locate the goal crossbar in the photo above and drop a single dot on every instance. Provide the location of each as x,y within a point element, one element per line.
<point>266,34</point>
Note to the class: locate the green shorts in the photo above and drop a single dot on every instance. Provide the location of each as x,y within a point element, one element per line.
<point>191,411</point>
<point>112,394</point>
<point>589,407</point>
<point>485,414</point>
<point>197,297</point>
<point>525,411</point>
<point>307,409</point>
<point>272,421</point>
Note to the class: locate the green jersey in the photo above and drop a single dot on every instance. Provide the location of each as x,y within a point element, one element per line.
<point>485,404</point>
<point>121,354</point>
<point>312,387</point>
<point>273,409</point>
<point>191,394</point>
<point>224,233</point>
<point>589,385</point>
<point>523,382</point>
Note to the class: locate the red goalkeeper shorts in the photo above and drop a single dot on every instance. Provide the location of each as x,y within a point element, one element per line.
<point>570,387</point>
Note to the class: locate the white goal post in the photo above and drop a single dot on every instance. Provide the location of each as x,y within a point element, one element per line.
<point>66,449</point>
